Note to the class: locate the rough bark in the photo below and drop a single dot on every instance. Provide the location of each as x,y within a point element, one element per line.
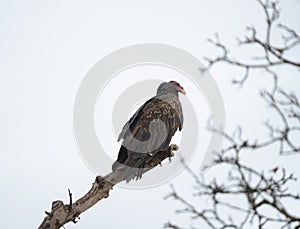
<point>63,213</point>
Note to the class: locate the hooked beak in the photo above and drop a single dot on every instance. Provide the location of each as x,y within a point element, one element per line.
<point>182,91</point>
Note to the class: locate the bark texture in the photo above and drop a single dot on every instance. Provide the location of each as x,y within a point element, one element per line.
<point>63,213</point>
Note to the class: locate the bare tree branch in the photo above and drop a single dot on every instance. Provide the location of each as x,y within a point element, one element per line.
<point>273,54</point>
<point>63,213</point>
<point>258,189</point>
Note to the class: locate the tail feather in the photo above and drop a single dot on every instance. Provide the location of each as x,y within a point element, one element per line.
<point>131,166</point>
<point>135,167</point>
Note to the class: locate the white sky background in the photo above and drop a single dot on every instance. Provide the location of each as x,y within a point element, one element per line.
<point>46,49</point>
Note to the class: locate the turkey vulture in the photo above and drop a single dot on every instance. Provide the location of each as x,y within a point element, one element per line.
<point>149,130</point>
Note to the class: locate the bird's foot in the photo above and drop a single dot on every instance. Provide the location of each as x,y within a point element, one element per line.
<point>172,148</point>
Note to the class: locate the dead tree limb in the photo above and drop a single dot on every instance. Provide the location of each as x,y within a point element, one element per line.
<point>63,213</point>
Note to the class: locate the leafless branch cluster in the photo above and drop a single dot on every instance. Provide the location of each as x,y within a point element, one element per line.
<point>249,196</point>
<point>287,108</point>
<point>273,54</point>
<point>261,191</point>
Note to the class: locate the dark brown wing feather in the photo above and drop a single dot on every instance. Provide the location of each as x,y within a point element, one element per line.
<point>150,129</point>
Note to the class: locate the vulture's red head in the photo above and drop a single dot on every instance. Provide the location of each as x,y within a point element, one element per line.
<point>171,87</point>
<point>178,87</point>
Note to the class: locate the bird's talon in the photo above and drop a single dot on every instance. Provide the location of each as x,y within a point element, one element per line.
<point>174,147</point>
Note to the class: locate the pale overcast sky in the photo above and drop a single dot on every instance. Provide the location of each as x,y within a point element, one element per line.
<point>47,47</point>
